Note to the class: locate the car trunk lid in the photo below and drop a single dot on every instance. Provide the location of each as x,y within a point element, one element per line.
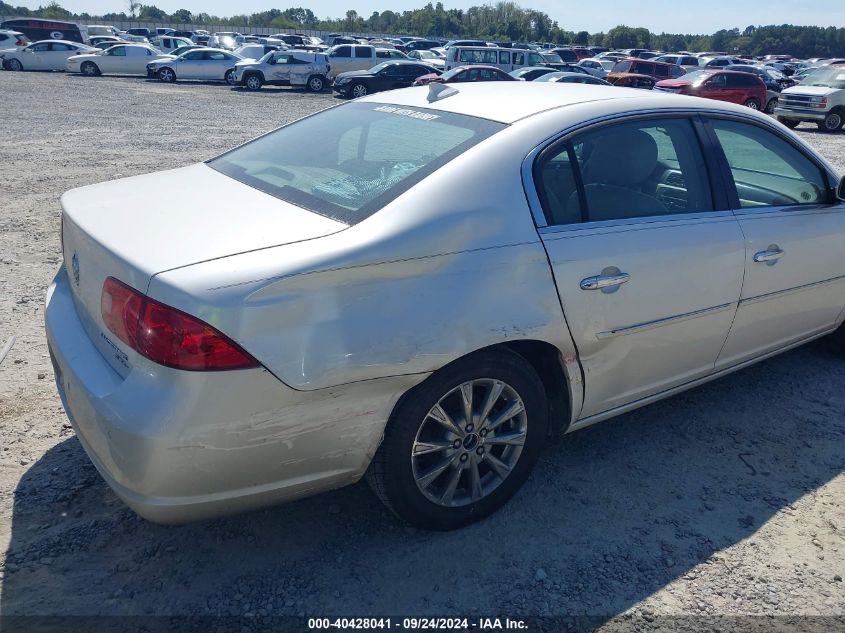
<point>135,228</point>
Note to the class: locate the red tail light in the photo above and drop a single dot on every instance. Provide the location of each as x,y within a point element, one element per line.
<point>166,335</point>
<point>21,43</point>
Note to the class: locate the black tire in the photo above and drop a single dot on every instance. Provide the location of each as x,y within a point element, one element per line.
<point>253,82</point>
<point>790,123</point>
<point>227,76</point>
<point>166,75</point>
<point>316,83</point>
<point>14,64</point>
<point>90,69</point>
<point>833,121</point>
<point>391,473</point>
<point>357,89</point>
<point>770,106</point>
<point>752,103</point>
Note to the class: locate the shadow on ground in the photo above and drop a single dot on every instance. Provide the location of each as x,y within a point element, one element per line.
<point>611,515</point>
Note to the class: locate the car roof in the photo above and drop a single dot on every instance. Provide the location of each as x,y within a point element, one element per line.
<point>508,102</point>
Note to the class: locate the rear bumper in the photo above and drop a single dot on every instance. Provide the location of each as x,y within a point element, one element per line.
<point>179,446</point>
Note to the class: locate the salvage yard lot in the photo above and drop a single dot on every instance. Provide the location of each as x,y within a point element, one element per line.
<point>728,499</point>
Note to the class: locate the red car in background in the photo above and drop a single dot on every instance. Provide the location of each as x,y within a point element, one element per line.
<point>474,72</point>
<point>724,85</point>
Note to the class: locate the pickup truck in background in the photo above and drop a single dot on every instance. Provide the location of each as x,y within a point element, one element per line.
<point>346,57</point>
<point>820,98</point>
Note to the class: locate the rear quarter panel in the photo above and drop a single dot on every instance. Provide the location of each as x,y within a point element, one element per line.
<point>451,266</point>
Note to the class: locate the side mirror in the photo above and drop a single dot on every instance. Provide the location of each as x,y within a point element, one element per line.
<point>840,190</point>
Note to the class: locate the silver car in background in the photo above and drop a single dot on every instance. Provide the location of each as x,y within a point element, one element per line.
<point>209,64</point>
<point>528,260</point>
<point>284,68</point>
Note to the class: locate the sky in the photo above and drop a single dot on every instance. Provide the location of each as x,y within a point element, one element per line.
<point>702,16</point>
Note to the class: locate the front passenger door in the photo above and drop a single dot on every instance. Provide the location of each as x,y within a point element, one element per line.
<point>648,264</point>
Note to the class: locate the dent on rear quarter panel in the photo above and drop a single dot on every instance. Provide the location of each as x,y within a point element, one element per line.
<point>433,276</point>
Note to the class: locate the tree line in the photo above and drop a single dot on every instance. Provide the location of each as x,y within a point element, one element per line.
<point>502,21</point>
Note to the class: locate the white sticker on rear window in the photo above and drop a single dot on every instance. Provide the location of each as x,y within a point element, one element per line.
<point>423,116</point>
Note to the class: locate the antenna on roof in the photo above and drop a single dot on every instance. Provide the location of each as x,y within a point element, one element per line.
<point>437,91</point>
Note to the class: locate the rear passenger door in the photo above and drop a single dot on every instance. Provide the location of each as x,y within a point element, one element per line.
<point>794,233</point>
<point>647,258</point>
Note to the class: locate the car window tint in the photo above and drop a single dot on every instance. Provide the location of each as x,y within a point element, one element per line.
<point>519,59</point>
<point>363,51</point>
<point>117,51</point>
<point>504,57</point>
<point>766,169</point>
<point>343,51</point>
<point>365,167</point>
<point>627,170</point>
<point>661,71</point>
<point>40,48</point>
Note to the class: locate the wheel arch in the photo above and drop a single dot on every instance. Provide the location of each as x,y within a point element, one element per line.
<point>561,378</point>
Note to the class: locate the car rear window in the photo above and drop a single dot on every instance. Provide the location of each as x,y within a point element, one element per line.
<point>349,161</point>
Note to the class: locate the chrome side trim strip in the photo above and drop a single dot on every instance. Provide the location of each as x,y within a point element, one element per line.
<point>788,291</point>
<point>640,327</point>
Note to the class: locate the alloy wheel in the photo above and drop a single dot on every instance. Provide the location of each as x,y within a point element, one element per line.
<point>833,121</point>
<point>14,64</point>
<point>469,442</point>
<point>253,82</point>
<point>359,90</point>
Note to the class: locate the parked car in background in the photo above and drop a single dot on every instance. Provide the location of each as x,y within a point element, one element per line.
<point>428,57</point>
<point>420,45</point>
<point>135,39</point>
<point>723,85</point>
<point>655,69</point>
<point>223,40</point>
<point>254,51</point>
<point>597,67</point>
<point>284,68</point>
<point>43,55</point>
<point>631,80</point>
<point>38,29</point>
<point>123,59</point>
<point>688,62</point>
<point>530,73</point>
<point>385,76</point>
<point>207,64</point>
<point>13,39</point>
<point>505,59</point>
<point>302,42</point>
<point>201,37</point>
<point>142,32</point>
<point>168,43</point>
<point>567,55</point>
<point>720,61</point>
<point>819,98</point>
<point>573,78</point>
<point>93,30</point>
<point>463,74</point>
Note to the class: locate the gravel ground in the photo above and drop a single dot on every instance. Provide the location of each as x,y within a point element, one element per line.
<point>727,499</point>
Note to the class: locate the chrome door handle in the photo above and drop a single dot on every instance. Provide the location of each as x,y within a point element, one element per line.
<point>768,255</point>
<point>598,282</point>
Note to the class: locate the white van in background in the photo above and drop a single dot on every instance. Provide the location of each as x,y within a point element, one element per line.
<point>506,59</point>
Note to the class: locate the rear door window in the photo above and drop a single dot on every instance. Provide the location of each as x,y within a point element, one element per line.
<point>664,173</point>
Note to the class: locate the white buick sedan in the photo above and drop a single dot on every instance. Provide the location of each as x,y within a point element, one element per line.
<point>435,282</point>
